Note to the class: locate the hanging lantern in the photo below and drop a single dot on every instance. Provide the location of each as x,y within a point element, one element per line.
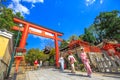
<point>46,50</point>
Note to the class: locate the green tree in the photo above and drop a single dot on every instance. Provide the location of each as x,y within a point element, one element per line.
<point>6,20</point>
<point>31,55</point>
<point>73,37</point>
<point>51,56</point>
<point>63,44</point>
<point>88,36</point>
<point>18,14</point>
<point>52,52</point>
<point>81,37</point>
<point>107,25</point>
<point>34,54</point>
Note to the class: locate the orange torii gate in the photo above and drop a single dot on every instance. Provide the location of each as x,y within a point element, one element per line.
<point>30,28</point>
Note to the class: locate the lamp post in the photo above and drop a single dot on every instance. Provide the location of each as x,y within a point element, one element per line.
<point>13,53</point>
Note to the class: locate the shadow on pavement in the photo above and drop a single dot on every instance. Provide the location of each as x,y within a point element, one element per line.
<point>112,76</point>
<point>55,70</point>
<point>73,74</point>
<point>10,78</point>
<point>66,72</point>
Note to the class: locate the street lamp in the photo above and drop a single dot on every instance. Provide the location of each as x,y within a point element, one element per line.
<point>14,49</point>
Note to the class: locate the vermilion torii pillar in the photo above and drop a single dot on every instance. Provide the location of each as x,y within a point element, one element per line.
<point>30,28</point>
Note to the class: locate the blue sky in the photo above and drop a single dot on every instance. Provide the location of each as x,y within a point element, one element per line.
<point>66,16</point>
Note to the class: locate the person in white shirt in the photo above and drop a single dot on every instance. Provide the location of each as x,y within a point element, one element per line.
<point>61,61</point>
<point>40,65</point>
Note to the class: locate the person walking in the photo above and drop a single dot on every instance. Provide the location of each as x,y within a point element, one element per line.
<point>61,61</point>
<point>85,61</point>
<point>35,64</point>
<point>72,60</point>
<point>40,64</point>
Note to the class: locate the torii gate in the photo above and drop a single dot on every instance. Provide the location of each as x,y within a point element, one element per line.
<point>30,28</point>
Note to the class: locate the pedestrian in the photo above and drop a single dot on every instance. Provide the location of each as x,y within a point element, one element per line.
<point>35,64</point>
<point>72,60</point>
<point>40,64</point>
<point>85,61</point>
<point>61,61</point>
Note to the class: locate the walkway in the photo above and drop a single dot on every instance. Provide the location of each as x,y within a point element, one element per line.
<point>55,74</point>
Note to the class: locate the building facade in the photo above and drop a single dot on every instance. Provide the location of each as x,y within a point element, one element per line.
<point>6,48</point>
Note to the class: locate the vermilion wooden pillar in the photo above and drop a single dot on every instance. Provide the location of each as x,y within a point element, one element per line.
<point>24,36</point>
<point>57,51</point>
<point>22,44</point>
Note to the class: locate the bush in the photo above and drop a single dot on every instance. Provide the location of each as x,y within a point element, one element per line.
<point>82,68</point>
<point>52,62</point>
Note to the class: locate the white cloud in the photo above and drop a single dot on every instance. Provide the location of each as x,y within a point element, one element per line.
<point>42,38</point>
<point>16,1</point>
<point>89,2</point>
<point>101,1</point>
<point>34,1</point>
<point>32,6</point>
<point>18,7</point>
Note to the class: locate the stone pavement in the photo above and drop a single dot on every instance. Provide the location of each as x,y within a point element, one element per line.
<point>55,74</point>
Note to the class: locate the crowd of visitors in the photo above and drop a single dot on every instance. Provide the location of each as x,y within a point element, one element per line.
<point>71,59</point>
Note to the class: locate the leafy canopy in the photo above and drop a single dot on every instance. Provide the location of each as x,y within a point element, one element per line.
<point>107,25</point>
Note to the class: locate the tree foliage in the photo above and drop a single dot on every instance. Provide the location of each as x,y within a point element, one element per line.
<point>81,37</point>
<point>52,52</point>
<point>63,44</point>
<point>6,20</point>
<point>107,25</point>
<point>73,37</point>
<point>34,54</point>
<point>88,36</point>
<point>51,56</point>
